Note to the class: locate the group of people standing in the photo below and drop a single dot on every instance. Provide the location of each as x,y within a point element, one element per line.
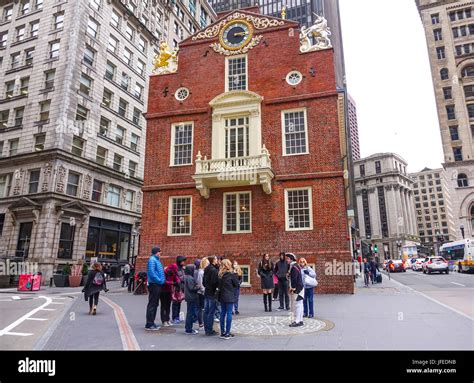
<point>211,289</point>
<point>371,269</point>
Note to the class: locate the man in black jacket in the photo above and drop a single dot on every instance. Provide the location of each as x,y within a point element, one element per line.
<point>210,282</point>
<point>281,271</point>
<point>296,290</point>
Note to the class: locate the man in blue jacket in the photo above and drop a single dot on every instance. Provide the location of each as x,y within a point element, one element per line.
<point>156,280</point>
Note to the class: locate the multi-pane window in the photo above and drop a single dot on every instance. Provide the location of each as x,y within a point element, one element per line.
<point>4,116</point>
<point>39,4</point>
<point>179,216</point>
<point>107,98</point>
<point>49,79</point>
<point>89,55</point>
<point>136,116</point>
<point>120,135</point>
<point>129,32</point>
<point>54,49</point>
<point>438,35</point>
<point>34,181</point>
<point>447,93</point>
<point>82,113</point>
<point>19,113</point>
<point>7,13</point>
<point>113,44</point>
<point>95,4</point>
<point>29,55</point>
<point>237,137</point>
<point>104,126</point>
<point>101,156</point>
<point>118,162</point>
<point>44,110</point>
<point>24,85</point>
<point>141,67</point>
<point>134,142</point>
<point>435,18</point>
<point>123,106</point>
<point>444,74</point>
<point>469,91</point>
<point>58,21</point>
<point>440,52</point>
<point>92,28</point>
<point>182,141</point>
<point>72,184</point>
<point>454,133</point>
<point>113,196</point>
<point>34,28</point>
<point>457,152</point>
<point>298,209</point>
<point>15,60</point>
<point>115,19</point>
<point>40,140</point>
<point>237,208</point>
<point>85,84</point>
<point>237,73</point>
<point>9,89</point>
<point>20,33</point>
<point>13,146</point>
<point>378,167</point>
<point>110,71</point>
<point>128,56</point>
<point>132,168</point>
<point>125,82</point>
<point>451,112</point>
<point>362,170</point>
<point>97,190</point>
<point>470,110</point>
<point>24,7</point>
<point>295,133</point>
<point>129,197</point>
<point>77,146</point>
<point>142,44</point>
<point>138,91</point>
<point>3,39</point>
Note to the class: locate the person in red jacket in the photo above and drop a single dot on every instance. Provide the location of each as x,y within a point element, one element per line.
<point>171,279</point>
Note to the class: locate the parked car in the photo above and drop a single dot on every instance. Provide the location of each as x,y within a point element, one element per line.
<point>435,264</point>
<point>418,265</point>
<point>409,263</point>
<point>397,266</point>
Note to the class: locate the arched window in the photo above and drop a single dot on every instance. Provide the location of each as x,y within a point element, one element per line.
<point>468,71</point>
<point>463,181</point>
<point>444,73</point>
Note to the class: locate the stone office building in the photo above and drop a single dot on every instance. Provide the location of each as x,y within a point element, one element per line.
<point>385,201</point>
<point>74,82</point>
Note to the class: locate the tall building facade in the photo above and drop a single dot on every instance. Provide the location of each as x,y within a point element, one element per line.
<point>449,29</point>
<point>240,162</point>
<point>353,128</point>
<point>386,206</point>
<point>74,82</point>
<point>434,215</point>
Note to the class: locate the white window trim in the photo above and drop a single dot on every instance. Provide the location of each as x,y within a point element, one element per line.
<point>283,131</point>
<point>170,209</point>
<point>227,71</point>
<point>224,221</point>
<point>249,283</point>
<point>172,152</point>
<point>310,200</point>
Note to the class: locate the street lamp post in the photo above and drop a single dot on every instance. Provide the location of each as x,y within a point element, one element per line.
<point>399,246</point>
<point>462,230</point>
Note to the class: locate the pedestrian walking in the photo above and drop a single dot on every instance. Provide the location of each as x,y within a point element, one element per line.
<point>281,271</point>
<point>265,272</point>
<point>171,281</point>
<point>309,283</point>
<point>95,283</point>
<point>366,267</point>
<point>227,284</point>
<point>131,279</point>
<point>177,299</point>
<point>296,290</point>
<point>374,268</point>
<point>201,299</point>
<point>238,274</point>
<point>191,297</point>
<point>126,275</point>
<point>210,282</point>
<point>156,280</point>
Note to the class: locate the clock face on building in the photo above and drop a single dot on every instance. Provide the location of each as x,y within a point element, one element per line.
<point>236,35</point>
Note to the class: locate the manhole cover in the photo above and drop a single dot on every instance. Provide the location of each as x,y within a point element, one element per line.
<point>277,325</point>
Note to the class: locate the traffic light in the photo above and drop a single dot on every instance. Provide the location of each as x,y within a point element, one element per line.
<point>376,249</point>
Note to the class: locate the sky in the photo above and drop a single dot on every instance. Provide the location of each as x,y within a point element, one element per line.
<point>389,77</point>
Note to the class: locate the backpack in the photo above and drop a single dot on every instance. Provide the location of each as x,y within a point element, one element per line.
<point>98,279</point>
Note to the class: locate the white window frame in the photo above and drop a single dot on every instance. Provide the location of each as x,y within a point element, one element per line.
<point>246,71</point>
<point>170,210</point>
<point>224,215</point>
<point>310,201</point>
<point>283,137</point>
<point>249,283</point>
<point>172,149</point>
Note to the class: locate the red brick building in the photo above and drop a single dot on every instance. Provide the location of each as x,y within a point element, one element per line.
<point>243,152</point>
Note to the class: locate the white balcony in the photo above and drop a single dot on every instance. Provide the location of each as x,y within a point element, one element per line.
<point>232,172</point>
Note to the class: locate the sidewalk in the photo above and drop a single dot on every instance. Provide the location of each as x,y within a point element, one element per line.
<point>381,317</point>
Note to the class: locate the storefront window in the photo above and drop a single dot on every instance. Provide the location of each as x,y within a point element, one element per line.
<point>108,239</point>
<point>66,241</point>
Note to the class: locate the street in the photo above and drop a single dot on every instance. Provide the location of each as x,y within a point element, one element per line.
<point>412,311</point>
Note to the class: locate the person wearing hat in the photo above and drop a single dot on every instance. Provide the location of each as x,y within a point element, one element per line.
<point>156,280</point>
<point>296,291</point>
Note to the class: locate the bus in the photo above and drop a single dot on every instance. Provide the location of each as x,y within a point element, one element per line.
<point>459,254</point>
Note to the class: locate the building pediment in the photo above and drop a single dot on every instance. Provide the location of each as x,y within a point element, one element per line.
<point>235,98</point>
<point>76,207</point>
<point>24,203</point>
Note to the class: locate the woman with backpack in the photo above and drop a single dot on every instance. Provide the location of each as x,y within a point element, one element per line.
<point>265,272</point>
<point>309,283</point>
<point>94,285</point>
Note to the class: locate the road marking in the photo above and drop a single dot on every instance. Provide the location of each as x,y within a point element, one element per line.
<point>18,333</point>
<point>57,303</point>
<point>16,297</point>
<point>455,283</point>
<point>6,330</point>
<point>129,342</point>
<point>48,309</point>
<point>36,319</point>
<point>435,300</point>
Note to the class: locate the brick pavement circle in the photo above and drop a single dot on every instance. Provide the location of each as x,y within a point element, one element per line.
<point>277,326</point>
